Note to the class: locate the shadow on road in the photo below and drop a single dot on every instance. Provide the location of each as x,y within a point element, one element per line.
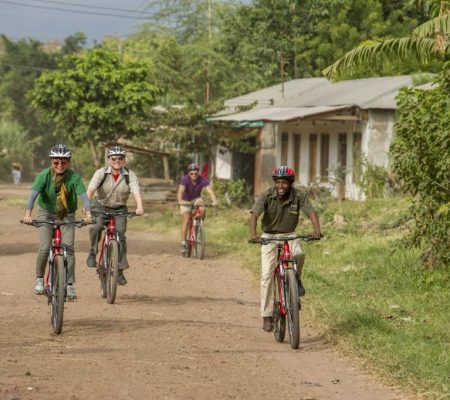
<point>181,300</point>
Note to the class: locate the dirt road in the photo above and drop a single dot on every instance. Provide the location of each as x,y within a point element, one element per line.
<point>180,329</point>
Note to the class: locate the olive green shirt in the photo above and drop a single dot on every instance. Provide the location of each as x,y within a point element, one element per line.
<point>281,216</point>
<point>44,184</point>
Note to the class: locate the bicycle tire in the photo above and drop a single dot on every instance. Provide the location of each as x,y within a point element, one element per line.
<point>102,277</point>
<point>57,288</point>
<point>199,235</point>
<point>279,321</point>
<point>112,271</point>
<point>189,248</point>
<point>293,312</point>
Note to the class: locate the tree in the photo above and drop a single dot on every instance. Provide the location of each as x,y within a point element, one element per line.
<point>421,162</point>
<point>12,140</point>
<point>95,97</point>
<point>428,42</point>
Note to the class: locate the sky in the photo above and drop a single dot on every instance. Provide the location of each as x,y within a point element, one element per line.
<point>57,19</point>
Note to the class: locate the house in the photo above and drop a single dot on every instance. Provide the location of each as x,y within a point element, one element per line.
<point>319,128</point>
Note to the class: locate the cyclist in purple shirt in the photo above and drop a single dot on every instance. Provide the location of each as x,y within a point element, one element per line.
<point>190,194</point>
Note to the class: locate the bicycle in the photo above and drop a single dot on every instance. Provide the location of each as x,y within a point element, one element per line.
<point>286,300</point>
<point>195,239</point>
<point>109,255</point>
<point>55,281</point>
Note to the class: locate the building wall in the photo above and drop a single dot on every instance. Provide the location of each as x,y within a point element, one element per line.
<point>278,143</point>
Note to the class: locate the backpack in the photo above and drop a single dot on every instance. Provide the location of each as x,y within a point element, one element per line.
<point>127,178</point>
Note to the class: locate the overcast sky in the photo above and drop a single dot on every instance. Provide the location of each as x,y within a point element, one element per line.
<point>57,19</point>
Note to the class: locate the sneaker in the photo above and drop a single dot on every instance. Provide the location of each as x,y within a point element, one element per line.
<point>121,280</point>
<point>301,289</point>
<point>91,263</point>
<point>267,324</point>
<point>71,294</point>
<point>39,288</point>
<point>184,248</point>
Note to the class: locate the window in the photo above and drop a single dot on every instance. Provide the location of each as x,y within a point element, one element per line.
<point>312,157</point>
<point>284,148</point>
<point>297,147</point>
<point>324,156</point>
<point>357,156</point>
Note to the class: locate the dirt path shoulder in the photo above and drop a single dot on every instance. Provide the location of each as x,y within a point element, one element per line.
<point>180,329</point>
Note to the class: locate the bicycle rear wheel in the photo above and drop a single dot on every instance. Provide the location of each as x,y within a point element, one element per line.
<point>57,289</point>
<point>112,271</point>
<point>293,311</point>
<point>279,321</point>
<point>199,235</point>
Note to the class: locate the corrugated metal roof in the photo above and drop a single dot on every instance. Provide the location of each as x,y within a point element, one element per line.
<point>355,92</point>
<point>273,95</point>
<point>303,97</point>
<point>276,113</point>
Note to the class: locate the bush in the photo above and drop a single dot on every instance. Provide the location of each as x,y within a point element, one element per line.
<point>229,192</point>
<point>421,162</point>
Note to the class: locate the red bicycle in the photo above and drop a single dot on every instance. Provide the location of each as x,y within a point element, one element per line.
<point>109,255</point>
<point>286,300</point>
<point>195,239</point>
<point>55,281</point>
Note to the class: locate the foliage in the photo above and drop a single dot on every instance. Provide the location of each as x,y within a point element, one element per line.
<point>370,178</point>
<point>306,36</point>
<point>96,97</point>
<point>428,42</point>
<point>232,192</point>
<point>12,148</point>
<point>21,62</point>
<point>421,163</point>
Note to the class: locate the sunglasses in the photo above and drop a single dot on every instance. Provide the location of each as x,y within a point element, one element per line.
<point>119,158</point>
<point>62,161</point>
<point>193,173</point>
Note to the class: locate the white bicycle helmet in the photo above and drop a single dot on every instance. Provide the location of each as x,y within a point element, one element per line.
<point>60,151</point>
<point>116,151</point>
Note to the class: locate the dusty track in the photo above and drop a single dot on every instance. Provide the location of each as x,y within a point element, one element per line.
<point>180,329</point>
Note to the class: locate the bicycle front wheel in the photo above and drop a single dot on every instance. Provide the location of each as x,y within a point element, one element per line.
<point>57,289</point>
<point>292,304</point>
<point>199,234</point>
<point>112,271</point>
<point>279,321</point>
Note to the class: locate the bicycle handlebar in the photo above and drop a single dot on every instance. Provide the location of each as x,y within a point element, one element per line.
<point>115,213</point>
<point>305,238</point>
<point>36,223</point>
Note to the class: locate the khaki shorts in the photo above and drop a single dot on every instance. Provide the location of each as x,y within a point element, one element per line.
<point>186,208</point>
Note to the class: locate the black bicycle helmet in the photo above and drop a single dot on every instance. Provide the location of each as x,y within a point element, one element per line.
<point>283,172</point>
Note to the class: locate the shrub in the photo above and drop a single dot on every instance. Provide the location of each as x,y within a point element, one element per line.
<point>229,192</point>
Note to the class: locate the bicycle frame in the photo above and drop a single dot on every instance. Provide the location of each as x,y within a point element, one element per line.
<point>283,261</point>
<point>56,248</point>
<point>107,237</point>
<point>194,220</point>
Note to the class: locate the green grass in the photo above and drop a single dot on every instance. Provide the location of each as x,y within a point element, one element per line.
<point>371,295</point>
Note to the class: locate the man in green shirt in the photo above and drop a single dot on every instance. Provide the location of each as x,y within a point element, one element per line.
<point>281,206</point>
<point>57,187</point>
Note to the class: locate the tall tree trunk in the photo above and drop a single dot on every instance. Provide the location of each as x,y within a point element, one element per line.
<point>95,154</point>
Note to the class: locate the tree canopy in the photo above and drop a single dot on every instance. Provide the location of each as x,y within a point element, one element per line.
<point>96,97</point>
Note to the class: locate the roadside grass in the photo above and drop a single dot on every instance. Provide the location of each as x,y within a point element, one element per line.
<point>369,294</point>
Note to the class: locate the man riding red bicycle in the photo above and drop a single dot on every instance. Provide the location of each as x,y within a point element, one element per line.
<point>281,206</point>
<point>189,195</point>
<point>113,186</point>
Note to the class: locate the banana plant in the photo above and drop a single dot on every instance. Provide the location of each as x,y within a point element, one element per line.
<point>427,42</point>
